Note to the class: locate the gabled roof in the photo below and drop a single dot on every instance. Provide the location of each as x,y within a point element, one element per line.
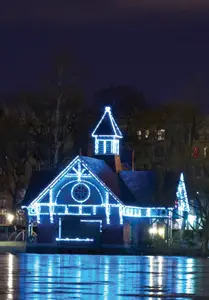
<point>104,172</point>
<point>107,125</point>
<point>42,180</point>
<point>38,182</point>
<point>149,190</point>
<point>136,188</point>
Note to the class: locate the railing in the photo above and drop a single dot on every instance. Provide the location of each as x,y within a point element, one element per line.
<point>19,235</point>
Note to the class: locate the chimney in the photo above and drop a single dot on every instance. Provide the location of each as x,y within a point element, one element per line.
<point>118,166</point>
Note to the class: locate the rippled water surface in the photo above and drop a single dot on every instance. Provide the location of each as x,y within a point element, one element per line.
<point>33,276</point>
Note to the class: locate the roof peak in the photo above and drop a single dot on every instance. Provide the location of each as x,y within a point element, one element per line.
<point>107,125</point>
<point>107,108</point>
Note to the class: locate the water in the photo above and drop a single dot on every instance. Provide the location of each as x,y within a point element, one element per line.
<point>37,277</point>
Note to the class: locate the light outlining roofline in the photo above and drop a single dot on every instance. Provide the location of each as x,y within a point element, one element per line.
<point>103,205</point>
<point>62,174</point>
<point>113,123</point>
<point>51,185</point>
<point>146,207</point>
<point>102,183</point>
<point>107,136</point>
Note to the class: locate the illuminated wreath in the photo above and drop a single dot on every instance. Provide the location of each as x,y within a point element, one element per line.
<point>80,192</point>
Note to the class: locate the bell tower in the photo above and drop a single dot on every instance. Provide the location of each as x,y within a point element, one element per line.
<point>107,135</point>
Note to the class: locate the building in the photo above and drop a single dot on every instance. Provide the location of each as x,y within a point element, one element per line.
<point>93,201</point>
<point>163,136</point>
<point>150,147</point>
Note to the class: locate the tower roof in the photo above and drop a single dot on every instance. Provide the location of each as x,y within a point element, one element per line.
<point>107,125</point>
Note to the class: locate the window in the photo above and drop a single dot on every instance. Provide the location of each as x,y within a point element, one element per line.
<point>80,192</point>
<point>205,152</point>
<point>143,134</point>
<point>146,133</point>
<point>108,147</point>
<point>101,147</point>
<point>160,134</point>
<point>139,134</point>
<point>202,134</point>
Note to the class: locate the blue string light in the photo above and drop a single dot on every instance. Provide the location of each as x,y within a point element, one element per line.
<point>112,140</point>
<point>74,240</point>
<point>182,200</point>
<point>78,173</point>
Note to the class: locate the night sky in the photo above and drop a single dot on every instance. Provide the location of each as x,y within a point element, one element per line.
<point>159,47</point>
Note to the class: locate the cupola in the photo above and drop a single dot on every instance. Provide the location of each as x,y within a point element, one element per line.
<point>107,135</point>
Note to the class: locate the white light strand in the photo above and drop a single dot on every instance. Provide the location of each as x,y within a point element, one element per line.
<point>94,210</point>
<point>121,214</point>
<point>38,218</point>
<point>73,214</point>
<point>46,190</point>
<point>60,228</point>
<point>107,210</point>
<point>74,240</point>
<point>83,181</point>
<point>113,123</point>
<point>148,213</point>
<point>63,174</point>
<point>112,138</point>
<point>51,206</point>
<point>127,211</point>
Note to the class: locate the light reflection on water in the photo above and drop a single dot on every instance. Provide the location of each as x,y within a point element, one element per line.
<point>48,277</point>
<point>10,258</point>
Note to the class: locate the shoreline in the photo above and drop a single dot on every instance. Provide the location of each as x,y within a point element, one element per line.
<point>22,247</point>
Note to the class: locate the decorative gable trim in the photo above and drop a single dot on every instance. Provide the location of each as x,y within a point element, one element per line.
<point>66,170</point>
<point>102,183</point>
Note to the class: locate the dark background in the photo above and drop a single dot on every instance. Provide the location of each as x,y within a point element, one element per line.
<point>159,47</point>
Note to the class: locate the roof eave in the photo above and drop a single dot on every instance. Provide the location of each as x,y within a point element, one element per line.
<point>107,135</point>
